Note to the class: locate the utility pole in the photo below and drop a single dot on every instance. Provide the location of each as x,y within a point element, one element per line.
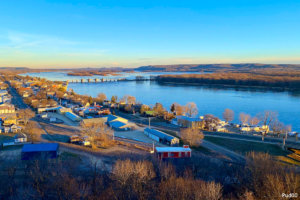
<point>153,147</point>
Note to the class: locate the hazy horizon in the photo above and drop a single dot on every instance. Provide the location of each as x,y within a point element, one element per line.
<point>79,34</point>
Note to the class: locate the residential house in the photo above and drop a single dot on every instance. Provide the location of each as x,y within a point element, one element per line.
<point>7,121</point>
<point>6,129</point>
<point>220,129</point>
<point>15,129</point>
<point>7,108</point>
<point>3,92</point>
<point>20,138</point>
<point>245,128</point>
<point>186,122</point>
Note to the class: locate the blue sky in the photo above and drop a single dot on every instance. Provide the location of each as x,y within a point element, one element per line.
<point>77,33</point>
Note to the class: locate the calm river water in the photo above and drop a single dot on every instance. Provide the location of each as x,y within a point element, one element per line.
<point>208,100</point>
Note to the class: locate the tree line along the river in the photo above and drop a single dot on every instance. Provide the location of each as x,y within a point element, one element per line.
<point>287,81</point>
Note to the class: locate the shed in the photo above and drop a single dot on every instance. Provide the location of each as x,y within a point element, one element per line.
<point>173,152</point>
<point>119,126</point>
<point>39,151</point>
<point>73,117</point>
<point>111,118</point>
<point>161,137</point>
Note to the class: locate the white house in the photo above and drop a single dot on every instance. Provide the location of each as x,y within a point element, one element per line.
<point>20,137</point>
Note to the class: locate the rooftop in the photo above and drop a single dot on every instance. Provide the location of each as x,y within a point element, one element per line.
<point>188,118</point>
<point>160,134</point>
<point>117,124</point>
<point>40,147</point>
<point>172,149</point>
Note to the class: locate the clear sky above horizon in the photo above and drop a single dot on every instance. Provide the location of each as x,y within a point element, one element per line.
<point>78,33</point>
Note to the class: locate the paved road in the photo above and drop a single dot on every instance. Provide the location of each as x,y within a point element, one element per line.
<point>17,100</point>
<point>231,154</point>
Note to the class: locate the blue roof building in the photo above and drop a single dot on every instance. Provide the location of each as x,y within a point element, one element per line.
<point>119,126</point>
<point>185,121</point>
<point>39,151</point>
<point>161,136</point>
<point>73,116</point>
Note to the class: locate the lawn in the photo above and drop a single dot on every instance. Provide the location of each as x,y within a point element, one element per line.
<point>243,147</point>
<point>4,137</point>
<point>67,156</point>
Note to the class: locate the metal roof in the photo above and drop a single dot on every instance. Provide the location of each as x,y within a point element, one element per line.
<point>72,116</point>
<point>40,147</point>
<point>117,124</point>
<point>20,135</point>
<point>160,134</point>
<point>111,117</point>
<point>172,149</point>
<point>188,118</point>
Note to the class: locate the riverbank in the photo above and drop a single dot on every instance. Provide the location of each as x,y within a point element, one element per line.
<point>235,87</point>
<point>268,81</point>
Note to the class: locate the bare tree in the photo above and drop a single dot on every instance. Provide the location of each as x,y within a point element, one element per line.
<point>244,118</point>
<point>114,99</point>
<point>172,108</point>
<point>178,109</point>
<point>287,129</point>
<point>131,100</point>
<point>26,115</point>
<point>159,109</point>
<point>96,132</point>
<point>188,188</point>
<point>228,115</point>
<point>128,108</point>
<point>254,121</point>
<point>267,117</point>
<point>192,136</point>
<point>123,171</point>
<point>191,109</point>
<point>32,131</point>
<point>277,127</point>
<point>144,108</point>
<point>133,179</point>
<point>269,178</point>
<point>127,99</point>
<point>101,97</point>
<point>209,122</point>
<point>59,94</point>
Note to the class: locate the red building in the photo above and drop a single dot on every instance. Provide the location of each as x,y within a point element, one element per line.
<point>173,152</point>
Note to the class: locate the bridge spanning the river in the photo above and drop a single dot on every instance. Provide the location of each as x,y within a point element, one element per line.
<point>102,80</point>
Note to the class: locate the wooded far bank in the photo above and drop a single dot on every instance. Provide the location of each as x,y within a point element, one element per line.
<point>235,79</point>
